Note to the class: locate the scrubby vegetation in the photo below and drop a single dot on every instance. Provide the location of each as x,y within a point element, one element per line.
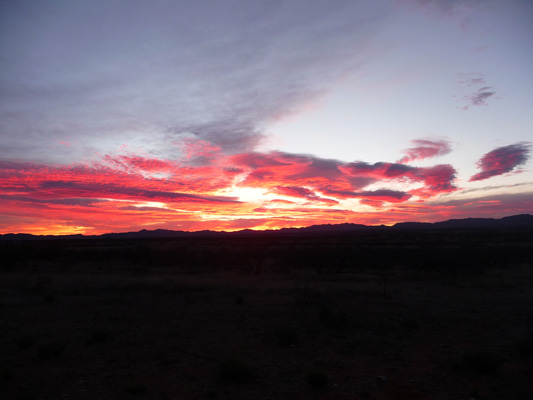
<point>236,371</point>
<point>466,251</point>
<point>269,316</point>
<point>480,362</point>
<point>317,380</point>
<point>50,351</point>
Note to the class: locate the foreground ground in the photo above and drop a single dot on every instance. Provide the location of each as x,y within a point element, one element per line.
<point>120,330</point>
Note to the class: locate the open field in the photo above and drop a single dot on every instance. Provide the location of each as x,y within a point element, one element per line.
<point>438,316</point>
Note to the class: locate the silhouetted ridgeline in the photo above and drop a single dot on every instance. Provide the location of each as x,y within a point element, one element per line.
<point>467,245</point>
<point>523,221</point>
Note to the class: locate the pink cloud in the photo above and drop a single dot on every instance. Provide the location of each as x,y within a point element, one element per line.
<point>300,192</point>
<point>123,193</point>
<point>425,148</point>
<point>437,179</point>
<point>384,195</point>
<point>502,160</point>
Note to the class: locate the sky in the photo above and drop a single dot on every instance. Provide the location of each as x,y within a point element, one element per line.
<point>122,115</point>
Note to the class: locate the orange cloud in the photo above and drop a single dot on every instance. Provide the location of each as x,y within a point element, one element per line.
<point>220,192</point>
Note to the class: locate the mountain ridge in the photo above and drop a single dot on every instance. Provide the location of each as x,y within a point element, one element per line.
<point>519,220</point>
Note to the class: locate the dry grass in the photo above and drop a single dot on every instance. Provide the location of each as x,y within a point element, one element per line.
<point>225,334</point>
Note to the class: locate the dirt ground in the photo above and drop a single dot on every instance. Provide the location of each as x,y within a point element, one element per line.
<point>162,333</point>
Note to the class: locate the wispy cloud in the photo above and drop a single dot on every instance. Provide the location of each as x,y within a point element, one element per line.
<point>493,206</point>
<point>502,160</point>
<point>155,74</point>
<point>469,91</point>
<point>436,180</point>
<point>425,148</point>
<point>479,98</point>
<point>294,191</point>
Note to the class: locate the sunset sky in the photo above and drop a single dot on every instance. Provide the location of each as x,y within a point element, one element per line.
<point>122,115</point>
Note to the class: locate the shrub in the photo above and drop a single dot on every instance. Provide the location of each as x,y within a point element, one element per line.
<point>235,371</point>
<point>51,351</point>
<point>98,337</point>
<point>524,346</point>
<point>136,388</point>
<point>480,362</point>
<point>25,342</point>
<point>7,374</point>
<point>287,336</point>
<point>317,380</point>
<point>337,320</point>
<point>410,324</point>
<point>48,298</point>
<point>348,349</point>
<point>474,393</point>
<point>324,315</point>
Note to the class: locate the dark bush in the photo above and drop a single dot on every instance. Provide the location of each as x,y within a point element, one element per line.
<point>335,320</point>
<point>480,362</point>
<point>410,324</point>
<point>317,380</point>
<point>7,374</point>
<point>25,342</point>
<point>48,298</point>
<point>136,389</point>
<point>524,346</point>
<point>51,351</point>
<point>287,336</point>
<point>236,371</point>
<point>98,337</point>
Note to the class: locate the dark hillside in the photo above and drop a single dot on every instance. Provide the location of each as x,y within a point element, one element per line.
<point>336,312</point>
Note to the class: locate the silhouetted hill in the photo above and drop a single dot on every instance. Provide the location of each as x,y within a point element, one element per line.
<point>346,227</point>
<point>20,236</point>
<point>516,221</point>
<point>522,220</point>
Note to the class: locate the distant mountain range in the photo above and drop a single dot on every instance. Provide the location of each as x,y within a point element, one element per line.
<point>515,221</point>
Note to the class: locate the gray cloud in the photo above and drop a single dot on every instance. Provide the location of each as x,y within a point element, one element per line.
<point>85,202</point>
<point>98,75</point>
<point>487,188</point>
<point>479,98</point>
<point>491,205</point>
<point>469,91</point>
<point>467,79</point>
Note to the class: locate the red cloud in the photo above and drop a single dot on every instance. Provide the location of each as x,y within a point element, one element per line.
<point>372,203</point>
<point>128,192</point>
<point>502,160</point>
<point>196,149</point>
<point>336,179</point>
<point>426,149</point>
<point>138,164</point>
<point>293,191</point>
<point>100,181</point>
<point>381,195</point>
<point>436,180</point>
<point>390,196</point>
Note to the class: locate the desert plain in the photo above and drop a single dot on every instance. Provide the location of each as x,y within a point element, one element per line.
<point>443,314</point>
